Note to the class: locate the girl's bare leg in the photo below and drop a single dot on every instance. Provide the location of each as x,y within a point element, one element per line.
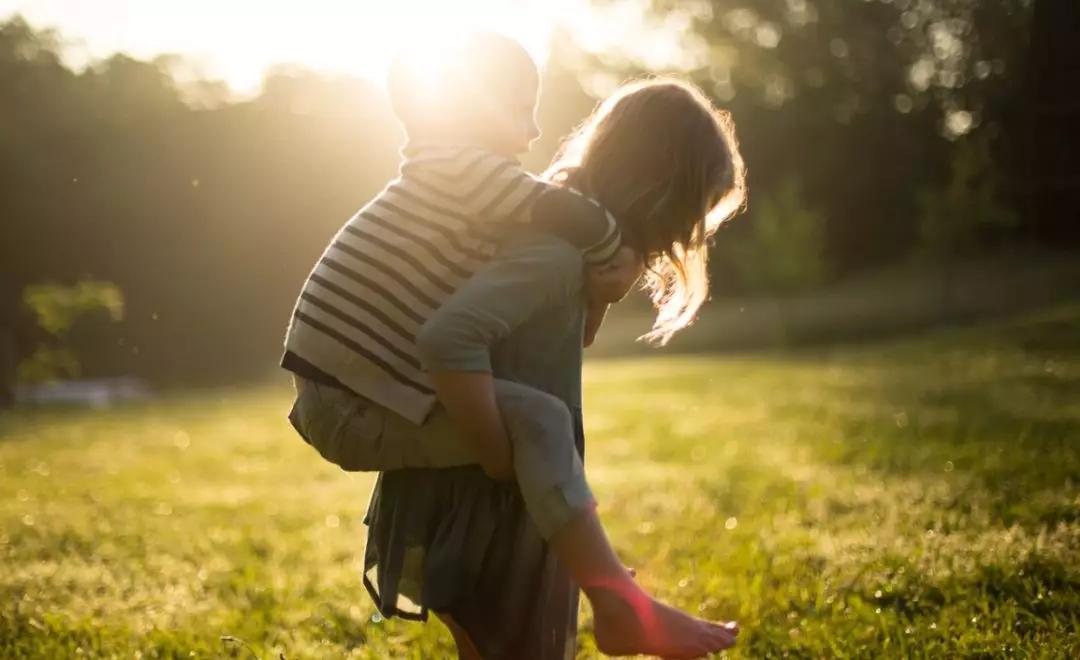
<point>626,619</point>
<point>465,647</point>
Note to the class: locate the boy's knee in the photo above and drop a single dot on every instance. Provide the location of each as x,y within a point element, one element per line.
<point>517,399</point>
<point>536,416</point>
<point>552,417</point>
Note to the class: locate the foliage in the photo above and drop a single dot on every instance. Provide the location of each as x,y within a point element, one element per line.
<point>785,251</point>
<point>953,218</point>
<point>862,99</point>
<point>207,219</point>
<point>208,212</point>
<point>910,500</point>
<point>955,55</point>
<point>56,308</point>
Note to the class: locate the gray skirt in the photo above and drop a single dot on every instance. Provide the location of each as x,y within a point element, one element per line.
<point>454,541</point>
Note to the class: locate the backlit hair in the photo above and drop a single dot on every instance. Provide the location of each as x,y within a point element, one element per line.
<point>666,163</point>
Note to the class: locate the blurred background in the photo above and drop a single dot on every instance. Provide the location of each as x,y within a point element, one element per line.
<point>172,170</point>
<point>870,450</point>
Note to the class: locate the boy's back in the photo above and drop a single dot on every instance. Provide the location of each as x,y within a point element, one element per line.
<point>404,253</point>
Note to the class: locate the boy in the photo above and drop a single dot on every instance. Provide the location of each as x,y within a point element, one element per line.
<point>352,340</point>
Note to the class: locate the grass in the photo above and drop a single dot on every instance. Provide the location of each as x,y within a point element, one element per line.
<point>917,499</point>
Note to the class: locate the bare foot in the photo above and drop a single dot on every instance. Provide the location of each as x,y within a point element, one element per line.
<point>628,621</point>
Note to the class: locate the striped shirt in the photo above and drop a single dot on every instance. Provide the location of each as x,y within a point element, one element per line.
<point>407,251</point>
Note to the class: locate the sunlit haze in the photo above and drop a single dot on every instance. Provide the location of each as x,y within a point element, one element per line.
<point>237,40</point>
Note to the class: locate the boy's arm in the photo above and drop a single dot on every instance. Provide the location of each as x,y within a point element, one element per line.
<point>609,284</point>
<point>508,195</point>
<point>594,318</point>
<point>579,221</point>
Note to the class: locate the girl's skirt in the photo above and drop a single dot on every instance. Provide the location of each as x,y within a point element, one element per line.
<point>454,541</point>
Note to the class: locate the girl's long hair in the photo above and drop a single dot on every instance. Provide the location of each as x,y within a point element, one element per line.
<point>666,163</point>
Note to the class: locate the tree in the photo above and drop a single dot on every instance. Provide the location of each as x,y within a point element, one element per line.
<point>206,217</point>
<point>861,99</point>
<point>1048,174</point>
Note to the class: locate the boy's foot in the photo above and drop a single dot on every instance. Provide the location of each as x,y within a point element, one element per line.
<point>628,621</point>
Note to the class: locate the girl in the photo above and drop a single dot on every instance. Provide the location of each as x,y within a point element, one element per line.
<point>454,541</point>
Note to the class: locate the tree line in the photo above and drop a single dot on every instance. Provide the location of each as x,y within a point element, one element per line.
<point>872,130</point>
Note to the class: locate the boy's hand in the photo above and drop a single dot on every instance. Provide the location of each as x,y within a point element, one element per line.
<point>611,282</point>
<point>594,317</point>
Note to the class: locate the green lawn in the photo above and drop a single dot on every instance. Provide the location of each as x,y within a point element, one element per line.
<point>915,499</point>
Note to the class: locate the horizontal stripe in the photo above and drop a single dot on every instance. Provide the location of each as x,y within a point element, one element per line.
<point>402,190</point>
<point>429,247</point>
<point>399,259</point>
<point>518,210</point>
<point>390,306</point>
<point>374,286</point>
<point>364,305</point>
<point>425,297</point>
<point>467,170</point>
<point>357,348</point>
<point>402,255</point>
<point>515,184</point>
<point>354,322</point>
<point>468,198</point>
<point>490,176</point>
<point>433,225</point>
<point>606,248</point>
<point>476,230</point>
<point>442,158</point>
<point>486,243</point>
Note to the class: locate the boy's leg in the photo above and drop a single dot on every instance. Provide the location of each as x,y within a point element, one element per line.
<point>360,435</point>
<point>627,620</point>
<point>547,465</point>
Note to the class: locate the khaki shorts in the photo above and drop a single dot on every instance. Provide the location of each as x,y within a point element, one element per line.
<point>360,435</point>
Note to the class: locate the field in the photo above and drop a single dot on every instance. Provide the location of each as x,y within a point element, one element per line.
<point>914,499</point>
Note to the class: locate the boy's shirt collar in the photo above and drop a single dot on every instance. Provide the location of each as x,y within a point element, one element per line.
<point>418,152</point>
<point>454,160</point>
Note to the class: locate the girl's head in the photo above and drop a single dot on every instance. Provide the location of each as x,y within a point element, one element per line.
<point>666,162</point>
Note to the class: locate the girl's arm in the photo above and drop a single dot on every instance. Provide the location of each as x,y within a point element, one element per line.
<point>469,400</point>
<point>455,344</point>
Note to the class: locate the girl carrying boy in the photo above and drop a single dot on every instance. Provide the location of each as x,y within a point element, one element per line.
<point>501,349</point>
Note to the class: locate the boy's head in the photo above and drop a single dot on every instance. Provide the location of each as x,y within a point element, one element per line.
<point>481,89</point>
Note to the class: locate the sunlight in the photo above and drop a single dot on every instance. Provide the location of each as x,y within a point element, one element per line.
<point>237,41</point>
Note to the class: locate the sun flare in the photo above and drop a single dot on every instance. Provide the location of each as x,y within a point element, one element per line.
<point>237,41</point>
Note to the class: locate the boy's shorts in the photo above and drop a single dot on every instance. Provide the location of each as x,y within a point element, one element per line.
<point>359,435</point>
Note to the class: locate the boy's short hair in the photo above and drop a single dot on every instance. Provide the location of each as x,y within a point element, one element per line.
<point>451,83</point>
